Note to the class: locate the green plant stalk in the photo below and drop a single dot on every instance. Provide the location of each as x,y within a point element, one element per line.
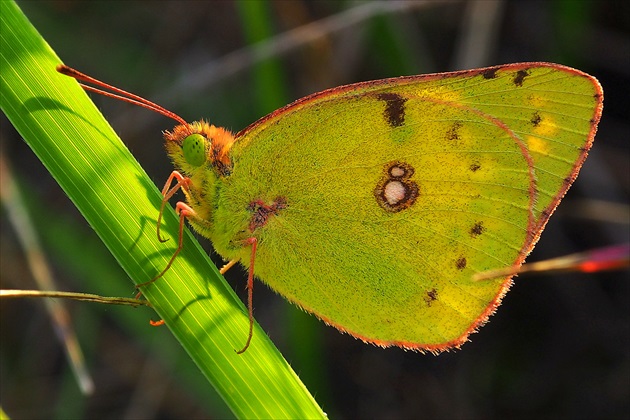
<point>92,165</point>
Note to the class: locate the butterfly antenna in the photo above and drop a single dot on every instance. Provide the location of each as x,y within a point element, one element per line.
<point>120,94</point>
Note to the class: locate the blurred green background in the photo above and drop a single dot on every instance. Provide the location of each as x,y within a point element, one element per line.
<point>558,347</point>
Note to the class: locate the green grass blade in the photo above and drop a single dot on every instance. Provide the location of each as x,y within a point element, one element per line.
<point>79,148</point>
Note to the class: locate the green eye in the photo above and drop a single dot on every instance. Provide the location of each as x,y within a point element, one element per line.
<point>194,148</point>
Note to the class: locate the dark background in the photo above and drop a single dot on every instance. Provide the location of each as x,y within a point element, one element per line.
<point>559,345</point>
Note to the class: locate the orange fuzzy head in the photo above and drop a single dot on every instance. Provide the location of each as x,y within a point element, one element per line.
<point>194,145</point>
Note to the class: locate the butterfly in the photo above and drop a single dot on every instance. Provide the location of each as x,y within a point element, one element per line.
<point>372,205</point>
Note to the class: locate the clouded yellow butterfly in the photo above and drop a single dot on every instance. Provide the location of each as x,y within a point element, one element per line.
<point>372,205</point>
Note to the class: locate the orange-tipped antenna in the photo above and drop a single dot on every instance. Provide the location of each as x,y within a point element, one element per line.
<point>120,94</point>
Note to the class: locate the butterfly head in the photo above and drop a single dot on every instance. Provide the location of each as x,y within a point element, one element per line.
<point>200,145</point>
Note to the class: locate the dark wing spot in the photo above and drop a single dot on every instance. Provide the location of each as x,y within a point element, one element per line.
<point>394,112</point>
<point>475,167</point>
<point>461,263</point>
<point>453,133</point>
<point>536,119</point>
<point>279,203</point>
<point>520,76</point>
<point>490,73</point>
<point>477,229</point>
<point>261,211</point>
<point>431,296</point>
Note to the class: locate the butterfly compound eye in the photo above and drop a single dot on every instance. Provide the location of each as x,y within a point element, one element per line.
<point>194,148</point>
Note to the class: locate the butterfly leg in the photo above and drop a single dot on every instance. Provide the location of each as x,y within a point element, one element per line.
<point>250,293</point>
<point>227,266</point>
<point>184,211</point>
<point>168,192</point>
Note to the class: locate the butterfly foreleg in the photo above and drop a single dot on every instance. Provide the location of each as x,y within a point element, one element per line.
<point>168,191</point>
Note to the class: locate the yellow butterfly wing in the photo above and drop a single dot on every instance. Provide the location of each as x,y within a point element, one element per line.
<point>374,203</point>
